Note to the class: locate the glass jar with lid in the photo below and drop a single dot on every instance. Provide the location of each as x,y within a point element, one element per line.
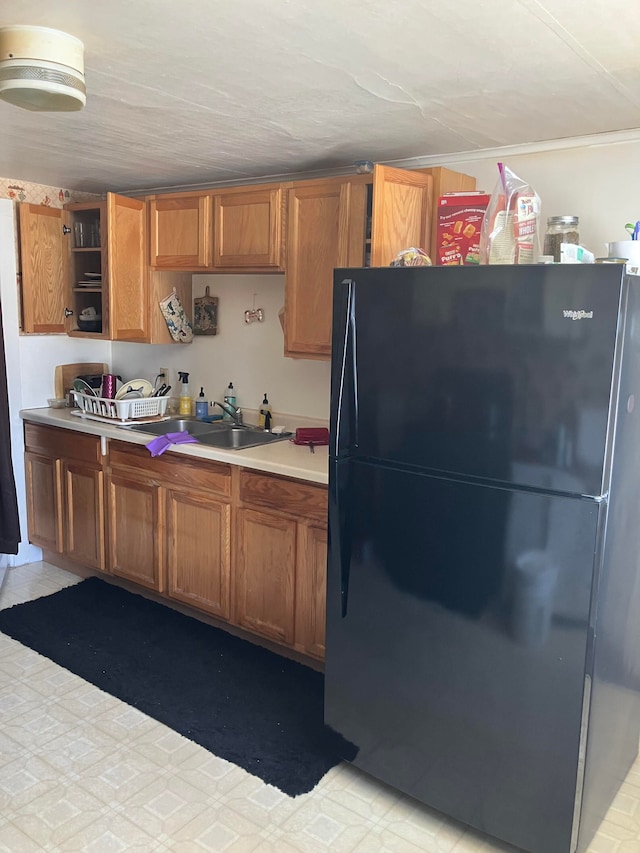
<point>560,229</point>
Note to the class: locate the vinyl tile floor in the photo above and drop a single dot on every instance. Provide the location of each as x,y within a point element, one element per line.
<point>82,771</point>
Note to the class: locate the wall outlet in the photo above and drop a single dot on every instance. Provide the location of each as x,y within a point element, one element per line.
<point>167,376</point>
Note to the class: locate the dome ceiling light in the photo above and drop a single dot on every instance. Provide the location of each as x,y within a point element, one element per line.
<point>41,69</point>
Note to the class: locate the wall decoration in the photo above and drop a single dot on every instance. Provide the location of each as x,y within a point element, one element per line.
<point>205,314</point>
<point>41,193</point>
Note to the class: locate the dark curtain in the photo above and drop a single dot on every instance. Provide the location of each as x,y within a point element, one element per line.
<point>9,524</point>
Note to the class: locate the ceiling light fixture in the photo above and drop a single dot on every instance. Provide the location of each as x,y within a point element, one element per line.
<point>41,69</point>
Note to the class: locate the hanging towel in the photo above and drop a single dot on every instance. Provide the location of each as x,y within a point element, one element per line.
<point>163,442</point>
<point>177,321</point>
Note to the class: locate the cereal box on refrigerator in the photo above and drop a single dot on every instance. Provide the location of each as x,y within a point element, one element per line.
<point>459,227</point>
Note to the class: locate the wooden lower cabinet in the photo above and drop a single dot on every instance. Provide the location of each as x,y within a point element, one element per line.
<point>280,571</point>
<point>170,525</point>
<point>65,503</point>
<point>44,501</point>
<point>135,539</point>
<point>84,491</point>
<point>311,589</point>
<point>265,574</point>
<point>198,551</point>
<point>245,547</point>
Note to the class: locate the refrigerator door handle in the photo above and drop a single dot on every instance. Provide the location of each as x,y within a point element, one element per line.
<point>339,550</point>
<point>346,431</point>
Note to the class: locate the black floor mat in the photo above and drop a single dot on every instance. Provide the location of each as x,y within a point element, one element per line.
<point>243,703</point>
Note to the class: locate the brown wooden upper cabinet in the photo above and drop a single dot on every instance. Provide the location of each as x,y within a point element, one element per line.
<point>45,268</point>
<point>239,229</point>
<point>247,228</point>
<point>326,229</point>
<point>84,269</point>
<point>360,220</point>
<point>180,231</point>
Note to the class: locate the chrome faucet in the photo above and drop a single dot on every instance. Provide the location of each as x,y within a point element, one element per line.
<point>234,412</point>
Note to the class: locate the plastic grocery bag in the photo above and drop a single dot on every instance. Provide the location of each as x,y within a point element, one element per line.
<point>510,226</point>
<point>413,257</point>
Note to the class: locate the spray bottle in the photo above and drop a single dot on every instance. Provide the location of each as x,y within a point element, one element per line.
<point>185,396</point>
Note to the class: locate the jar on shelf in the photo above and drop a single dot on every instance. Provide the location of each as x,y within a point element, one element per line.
<point>560,229</point>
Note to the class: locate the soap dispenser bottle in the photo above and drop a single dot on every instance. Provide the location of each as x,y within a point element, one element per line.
<point>230,399</point>
<point>264,413</point>
<point>202,406</point>
<point>185,397</point>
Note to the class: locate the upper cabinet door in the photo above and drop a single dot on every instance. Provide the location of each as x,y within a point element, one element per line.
<point>127,270</point>
<point>247,227</point>
<point>44,251</point>
<point>326,229</point>
<point>180,229</point>
<point>401,216</point>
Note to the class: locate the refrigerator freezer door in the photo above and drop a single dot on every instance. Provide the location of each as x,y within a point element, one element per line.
<point>496,372</point>
<point>457,667</point>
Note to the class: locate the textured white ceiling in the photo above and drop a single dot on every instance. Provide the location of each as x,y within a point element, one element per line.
<point>202,91</point>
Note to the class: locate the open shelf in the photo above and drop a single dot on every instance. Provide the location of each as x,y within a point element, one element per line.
<point>87,262</point>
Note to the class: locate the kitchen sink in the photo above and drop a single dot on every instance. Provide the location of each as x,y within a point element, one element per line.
<point>192,426</point>
<point>237,438</point>
<point>228,436</point>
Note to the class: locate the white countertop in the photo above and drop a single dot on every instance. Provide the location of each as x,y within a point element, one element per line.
<point>279,457</point>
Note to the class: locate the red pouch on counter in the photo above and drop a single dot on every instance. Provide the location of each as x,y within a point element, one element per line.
<point>311,435</point>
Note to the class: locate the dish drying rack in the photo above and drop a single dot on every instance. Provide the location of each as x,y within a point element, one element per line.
<point>120,410</point>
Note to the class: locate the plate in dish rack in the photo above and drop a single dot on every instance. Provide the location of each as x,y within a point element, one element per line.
<point>83,387</point>
<point>134,389</point>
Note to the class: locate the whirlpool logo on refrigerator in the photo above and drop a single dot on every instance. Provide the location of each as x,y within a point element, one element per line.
<point>570,314</point>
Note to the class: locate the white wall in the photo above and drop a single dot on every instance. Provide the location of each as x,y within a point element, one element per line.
<point>250,356</point>
<point>30,366</point>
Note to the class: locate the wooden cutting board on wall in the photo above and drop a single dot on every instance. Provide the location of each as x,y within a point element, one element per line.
<point>65,374</point>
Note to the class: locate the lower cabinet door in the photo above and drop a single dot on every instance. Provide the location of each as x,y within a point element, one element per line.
<point>198,551</point>
<point>265,580</point>
<point>311,589</point>
<point>135,531</point>
<point>44,501</point>
<point>84,524</point>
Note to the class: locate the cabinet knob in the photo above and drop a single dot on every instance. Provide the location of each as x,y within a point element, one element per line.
<point>66,229</point>
<point>68,312</point>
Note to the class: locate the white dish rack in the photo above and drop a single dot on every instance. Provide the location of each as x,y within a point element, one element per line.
<point>120,410</point>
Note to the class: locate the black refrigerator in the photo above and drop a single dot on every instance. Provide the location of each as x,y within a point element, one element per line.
<point>483,592</point>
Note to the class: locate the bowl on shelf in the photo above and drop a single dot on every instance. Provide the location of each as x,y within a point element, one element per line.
<point>55,403</point>
<point>94,325</point>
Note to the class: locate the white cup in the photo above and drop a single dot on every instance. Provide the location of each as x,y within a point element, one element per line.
<point>629,249</point>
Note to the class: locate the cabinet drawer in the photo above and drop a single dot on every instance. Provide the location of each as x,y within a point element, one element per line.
<point>284,495</point>
<point>172,470</point>
<point>51,441</point>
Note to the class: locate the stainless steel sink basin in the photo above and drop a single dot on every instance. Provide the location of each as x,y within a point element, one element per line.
<point>228,436</point>
<point>239,438</point>
<point>192,426</point>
